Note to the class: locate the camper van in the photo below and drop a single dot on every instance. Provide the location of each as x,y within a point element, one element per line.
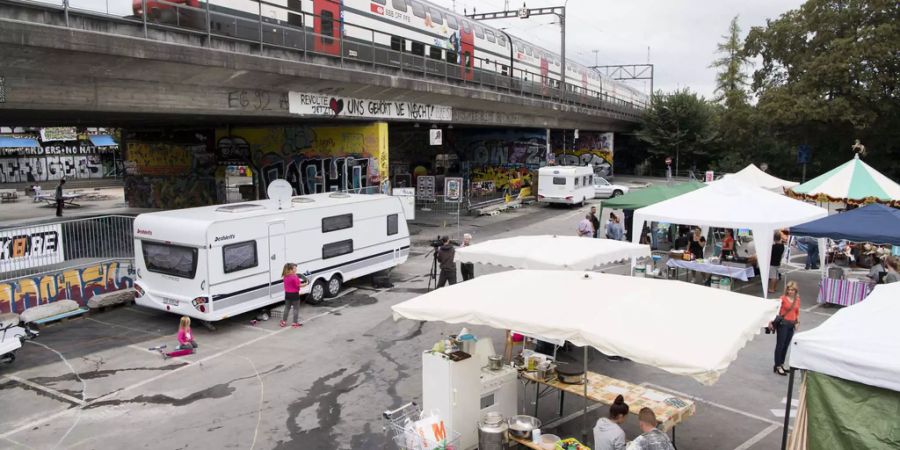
<point>215,262</point>
<point>569,185</point>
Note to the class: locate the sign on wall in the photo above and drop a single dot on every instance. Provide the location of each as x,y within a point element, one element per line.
<point>435,136</point>
<point>425,187</point>
<point>30,247</point>
<point>324,105</point>
<point>453,189</point>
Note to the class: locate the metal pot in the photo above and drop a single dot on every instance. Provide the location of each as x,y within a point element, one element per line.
<point>492,432</point>
<point>570,373</point>
<point>545,372</point>
<point>495,362</point>
<point>522,426</point>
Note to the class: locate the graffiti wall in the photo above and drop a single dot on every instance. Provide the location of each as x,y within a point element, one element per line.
<point>169,176</point>
<point>312,159</point>
<point>53,162</point>
<point>591,147</point>
<point>501,162</point>
<point>73,284</point>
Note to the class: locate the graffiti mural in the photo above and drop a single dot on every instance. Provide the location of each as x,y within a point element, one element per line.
<point>72,284</point>
<point>313,159</point>
<point>501,162</point>
<point>170,176</point>
<point>592,148</point>
<point>52,162</point>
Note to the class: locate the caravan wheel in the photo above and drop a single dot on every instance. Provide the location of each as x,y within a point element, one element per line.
<point>334,286</point>
<point>317,293</point>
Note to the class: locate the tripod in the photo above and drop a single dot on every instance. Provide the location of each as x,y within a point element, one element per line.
<point>432,275</point>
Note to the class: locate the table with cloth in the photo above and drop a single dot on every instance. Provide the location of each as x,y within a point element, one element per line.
<point>740,273</point>
<point>844,291</point>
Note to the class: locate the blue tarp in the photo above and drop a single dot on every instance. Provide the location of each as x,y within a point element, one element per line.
<point>103,140</point>
<point>874,223</point>
<point>14,142</point>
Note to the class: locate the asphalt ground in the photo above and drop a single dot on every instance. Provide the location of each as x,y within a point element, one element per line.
<point>92,382</point>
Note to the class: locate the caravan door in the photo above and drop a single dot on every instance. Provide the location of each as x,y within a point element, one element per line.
<point>276,258</point>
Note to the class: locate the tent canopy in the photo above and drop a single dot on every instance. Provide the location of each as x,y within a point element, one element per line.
<point>858,343</point>
<point>754,176</point>
<point>551,252</point>
<point>639,198</point>
<point>730,203</point>
<point>872,223</point>
<point>649,321</point>
<point>853,180</point>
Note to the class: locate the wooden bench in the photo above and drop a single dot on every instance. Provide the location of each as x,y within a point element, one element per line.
<point>8,195</point>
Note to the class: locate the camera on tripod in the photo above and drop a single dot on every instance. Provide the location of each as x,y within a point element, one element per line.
<point>439,241</point>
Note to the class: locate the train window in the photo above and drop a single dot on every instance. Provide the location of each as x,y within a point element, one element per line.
<point>501,40</point>
<point>490,36</point>
<point>399,5</point>
<point>528,50</point>
<point>397,44</point>
<point>504,70</point>
<point>294,5</point>
<point>519,48</point>
<point>418,48</point>
<point>452,23</point>
<point>417,9</point>
<point>327,26</point>
<point>380,2</point>
<point>452,57</point>
<point>295,20</point>
<point>467,27</point>
<point>436,16</point>
<point>479,31</point>
<point>434,52</point>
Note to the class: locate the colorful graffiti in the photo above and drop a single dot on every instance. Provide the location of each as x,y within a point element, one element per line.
<point>313,159</point>
<point>73,284</point>
<point>592,148</point>
<point>171,176</point>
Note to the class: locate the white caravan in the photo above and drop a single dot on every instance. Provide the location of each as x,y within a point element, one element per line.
<point>565,184</point>
<point>215,262</point>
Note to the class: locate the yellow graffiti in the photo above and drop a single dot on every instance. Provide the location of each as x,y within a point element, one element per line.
<point>158,159</point>
<point>74,284</point>
<point>503,177</point>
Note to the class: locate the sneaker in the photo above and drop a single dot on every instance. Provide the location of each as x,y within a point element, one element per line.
<point>282,324</point>
<point>296,325</point>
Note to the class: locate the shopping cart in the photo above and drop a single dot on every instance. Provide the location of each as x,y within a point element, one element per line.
<point>413,430</point>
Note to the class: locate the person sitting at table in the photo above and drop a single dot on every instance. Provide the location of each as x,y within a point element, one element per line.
<point>728,244</point>
<point>877,271</point>
<point>893,269</point>
<point>651,438</point>
<point>608,433</point>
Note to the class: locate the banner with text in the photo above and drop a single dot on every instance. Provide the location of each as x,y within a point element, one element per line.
<point>306,104</point>
<point>30,247</point>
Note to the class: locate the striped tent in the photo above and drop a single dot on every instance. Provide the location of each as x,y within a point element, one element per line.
<point>852,182</point>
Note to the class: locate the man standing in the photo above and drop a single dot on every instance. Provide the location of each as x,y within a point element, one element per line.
<point>651,438</point>
<point>445,256</point>
<point>59,197</point>
<point>595,222</point>
<point>585,227</point>
<point>467,269</point>
<point>615,230</point>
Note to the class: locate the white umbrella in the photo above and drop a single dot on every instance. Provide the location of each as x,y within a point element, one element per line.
<point>754,176</point>
<point>551,252</point>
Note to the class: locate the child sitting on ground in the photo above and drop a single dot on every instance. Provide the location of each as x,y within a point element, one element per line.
<point>186,343</point>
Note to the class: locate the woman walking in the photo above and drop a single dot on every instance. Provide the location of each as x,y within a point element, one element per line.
<point>785,324</point>
<point>291,294</point>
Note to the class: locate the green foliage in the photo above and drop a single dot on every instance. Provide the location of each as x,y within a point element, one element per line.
<point>731,80</point>
<point>679,123</point>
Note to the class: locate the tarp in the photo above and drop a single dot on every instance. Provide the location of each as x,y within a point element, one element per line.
<point>102,140</point>
<point>729,203</point>
<point>754,176</point>
<point>639,198</point>
<point>858,343</point>
<point>874,223</point>
<point>678,327</point>
<point>851,181</point>
<point>551,252</point>
<point>14,142</point>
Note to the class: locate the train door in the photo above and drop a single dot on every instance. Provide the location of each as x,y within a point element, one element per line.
<point>545,75</point>
<point>327,26</point>
<point>584,83</point>
<point>466,52</point>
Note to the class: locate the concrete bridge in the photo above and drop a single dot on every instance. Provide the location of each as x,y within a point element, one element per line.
<point>61,66</point>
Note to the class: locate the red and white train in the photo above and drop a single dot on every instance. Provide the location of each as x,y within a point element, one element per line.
<point>379,30</point>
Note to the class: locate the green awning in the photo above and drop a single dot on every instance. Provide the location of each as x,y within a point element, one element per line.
<point>639,198</point>
<point>847,414</point>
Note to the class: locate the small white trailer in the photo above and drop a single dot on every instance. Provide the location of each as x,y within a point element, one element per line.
<point>214,262</point>
<point>565,184</point>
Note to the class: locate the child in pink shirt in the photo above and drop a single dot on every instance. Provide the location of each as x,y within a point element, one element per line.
<point>291,294</point>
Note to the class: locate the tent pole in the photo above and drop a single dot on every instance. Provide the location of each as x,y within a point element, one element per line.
<point>787,410</point>
<point>584,416</point>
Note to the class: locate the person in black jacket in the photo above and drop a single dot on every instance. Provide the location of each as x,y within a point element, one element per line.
<point>594,220</point>
<point>445,256</point>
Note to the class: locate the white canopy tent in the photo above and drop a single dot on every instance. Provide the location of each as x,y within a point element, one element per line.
<point>551,252</point>
<point>730,203</point>
<point>649,321</point>
<point>859,343</point>
<point>754,176</point>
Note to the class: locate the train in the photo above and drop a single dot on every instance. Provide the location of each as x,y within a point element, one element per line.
<point>405,33</point>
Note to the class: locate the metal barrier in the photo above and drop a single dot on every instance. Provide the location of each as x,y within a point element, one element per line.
<point>355,44</point>
<point>440,214</point>
<point>52,247</point>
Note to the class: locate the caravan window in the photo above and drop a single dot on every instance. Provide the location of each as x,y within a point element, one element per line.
<point>175,260</point>
<point>335,223</point>
<point>559,181</point>
<point>392,224</point>
<point>239,256</point>
<point>576,181</point>
<point>336,249</point>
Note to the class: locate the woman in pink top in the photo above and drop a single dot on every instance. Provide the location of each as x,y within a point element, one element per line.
<point>291,294</point>
<point>185,337</point>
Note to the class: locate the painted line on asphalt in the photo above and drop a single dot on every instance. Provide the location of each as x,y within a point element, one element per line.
<point>18,443</point>
<point>138,310</point>
<point>757,437</point>
<point>262,394</point>
<point>50,391</point>
<point>811,307</point>
<point>125,327</point>
<point>254,327</point>
<point>711,403</point>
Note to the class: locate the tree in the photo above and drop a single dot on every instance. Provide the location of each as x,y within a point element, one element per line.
<point>731,80</point>
<point>678,125</point>
<point>830,73</point>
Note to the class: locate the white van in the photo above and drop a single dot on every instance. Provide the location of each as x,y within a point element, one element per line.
<point>215,262</point>
<point>565,184</point>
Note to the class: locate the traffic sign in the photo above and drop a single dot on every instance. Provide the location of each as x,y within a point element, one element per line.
<point>804,154</point>
<point>668,160</point>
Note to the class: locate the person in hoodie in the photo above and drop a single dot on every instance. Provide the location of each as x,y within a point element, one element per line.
<point>608,434</point>
<point>445,256</point>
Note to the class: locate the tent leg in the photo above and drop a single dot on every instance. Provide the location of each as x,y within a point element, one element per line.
<point>787,410</point>
<point>584,415</point>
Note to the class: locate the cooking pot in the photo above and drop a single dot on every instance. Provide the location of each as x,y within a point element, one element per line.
<point>570,373</point>
<point>495,362</point>
<point>492,431</point>
<point>522,426</point>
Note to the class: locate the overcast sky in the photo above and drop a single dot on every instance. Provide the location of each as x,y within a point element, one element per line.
<point>681,34</point>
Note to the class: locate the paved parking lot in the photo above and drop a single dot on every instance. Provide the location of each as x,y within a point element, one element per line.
<point>92,383</point>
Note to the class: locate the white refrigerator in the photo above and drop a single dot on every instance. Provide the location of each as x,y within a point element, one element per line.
<point>453,390</point>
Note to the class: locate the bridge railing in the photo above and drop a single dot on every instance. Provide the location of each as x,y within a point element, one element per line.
<point>356,46</point>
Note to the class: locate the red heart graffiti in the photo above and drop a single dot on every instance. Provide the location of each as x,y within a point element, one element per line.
<point>336,105</point>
